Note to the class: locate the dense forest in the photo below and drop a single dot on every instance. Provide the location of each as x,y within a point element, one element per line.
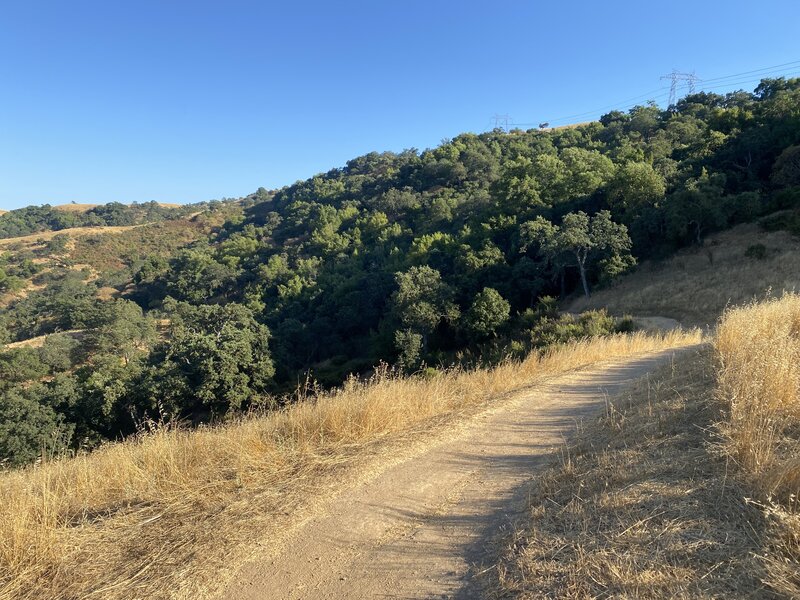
<point>452,255</point>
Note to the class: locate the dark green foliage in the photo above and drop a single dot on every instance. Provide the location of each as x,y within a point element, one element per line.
<point>756,251</point>
<point>561,329</point>
<point>488,312</point>
<point>216,359</point>
<point>578,241</point>
<point>787,220</point>
<point>29,430</point>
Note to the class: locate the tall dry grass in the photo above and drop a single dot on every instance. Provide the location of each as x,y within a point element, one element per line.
<point>162,515</point>
<point>759,378</point>
<point>758,347</point>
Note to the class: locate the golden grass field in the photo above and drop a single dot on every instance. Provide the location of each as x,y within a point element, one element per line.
<point>163,515</point>
<point>687,487</point>
<point>758,348</point>
<point>77,207</point>
<point>36,238</point>
<point>696,284</point>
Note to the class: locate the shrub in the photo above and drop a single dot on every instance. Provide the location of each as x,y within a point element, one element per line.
<point>756,251</point>
<point>785,220</point>
<point>565,328</point>
<point>626,325</point>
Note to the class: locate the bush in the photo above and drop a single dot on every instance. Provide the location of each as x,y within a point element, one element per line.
<point>626,325</point>
<point>29,430</point>
<point>565,328</point>
<point>429,373</point>
<point>756,251</point>
<point>785,220</point>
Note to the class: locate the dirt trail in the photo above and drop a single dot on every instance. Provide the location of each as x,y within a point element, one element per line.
<point>422,528</point>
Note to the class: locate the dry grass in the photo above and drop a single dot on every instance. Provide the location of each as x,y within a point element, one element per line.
<point>39,340</point>
<point>697,284</point>
<point>42,236</point>
<point>758,347</point>
<point>161,516</point>
<point>640,506</point>
<point>687,488</point>
<point>76,207</point>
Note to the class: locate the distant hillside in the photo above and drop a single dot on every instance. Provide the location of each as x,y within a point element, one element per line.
<point>33,219</point>
<point>698,283</point>
<point>75,207</point>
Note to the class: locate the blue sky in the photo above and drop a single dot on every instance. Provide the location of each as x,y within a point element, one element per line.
<point>186,101</point>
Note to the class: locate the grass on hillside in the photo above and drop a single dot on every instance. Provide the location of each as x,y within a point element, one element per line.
<point>75,207</point>
<point>108,253</point>
<point>759,383</point>
<point>688,487</point>
<point>34,239</point>
<point>162,515</point>
<point>696,284</point>
<point>78,207</point>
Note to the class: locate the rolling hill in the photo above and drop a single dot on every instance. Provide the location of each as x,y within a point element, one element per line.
<point>177,378</point>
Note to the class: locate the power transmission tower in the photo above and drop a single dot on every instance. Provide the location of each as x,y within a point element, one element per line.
<point>501,119</point>
<point>674,78</point>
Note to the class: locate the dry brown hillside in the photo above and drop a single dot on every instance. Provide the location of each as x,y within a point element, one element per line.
<point>696,284</point>
<point>35,239</point>
<point>74,207</point>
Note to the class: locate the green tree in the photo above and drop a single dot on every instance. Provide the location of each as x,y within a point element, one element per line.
<point>409,348</point>
<point>28,429</point>
<point>696,208</point>
<point>488,312</point>
<point>123,330</point>
<point>634,186</point>
<point>786,170</point>
<point>216,359</point>
<point>422,301</point>
<point>581,237</point>
<point>59,351</point>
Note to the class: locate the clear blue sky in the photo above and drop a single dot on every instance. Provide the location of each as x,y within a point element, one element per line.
<point>181,101</point>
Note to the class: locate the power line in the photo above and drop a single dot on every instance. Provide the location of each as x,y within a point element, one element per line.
<point>770,69</point>
<point>728,84</point>
<point>501,119</point>
<point>690,78</point>
<point>725,85</point>
<point>612,105</point>
<point>691,82</point>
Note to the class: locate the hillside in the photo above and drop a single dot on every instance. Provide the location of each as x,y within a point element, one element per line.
<point>22,222</point>
<point>176,380</point>
<point>454,256</point>
<point>78,207</point>
<point>696,284</point>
